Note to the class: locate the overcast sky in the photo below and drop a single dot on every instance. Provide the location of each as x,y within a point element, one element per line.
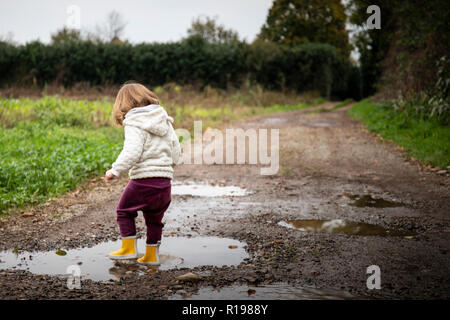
<point>148,20</point>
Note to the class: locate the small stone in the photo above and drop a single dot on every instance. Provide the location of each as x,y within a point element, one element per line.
<point>250,279</point>
<point>27,214</point>
<point>442,172</point>
<point>251,291</point>
<point>315,273</point>
<point>189,277</point>
<point>290,266</point>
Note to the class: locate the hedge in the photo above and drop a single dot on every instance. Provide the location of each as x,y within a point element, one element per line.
<point>300,68</point>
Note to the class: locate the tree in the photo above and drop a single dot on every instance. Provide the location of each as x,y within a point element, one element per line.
<point>111,30</point>
<point>66,35</point>
<point>371,44</point>
<point>402,55</point>
<point>209,30</point>
<point>294,22</point>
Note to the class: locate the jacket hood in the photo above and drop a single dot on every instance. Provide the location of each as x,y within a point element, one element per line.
<point>152,118</point>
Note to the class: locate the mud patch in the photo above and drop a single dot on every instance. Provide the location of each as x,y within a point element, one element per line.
<point>95,264</point>
<point>366,200</point>
<point>343,227</point>
<point>275,291</point>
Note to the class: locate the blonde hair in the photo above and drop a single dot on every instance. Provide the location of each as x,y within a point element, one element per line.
<point>132,95</point>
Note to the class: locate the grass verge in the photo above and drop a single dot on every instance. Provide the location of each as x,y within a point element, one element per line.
<point>424,139</point>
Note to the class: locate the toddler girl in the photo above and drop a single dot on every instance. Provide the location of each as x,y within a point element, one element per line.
<point>150,150</point>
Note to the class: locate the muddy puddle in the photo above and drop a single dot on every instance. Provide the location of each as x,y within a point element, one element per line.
<point>275,291</point>
<point>207,190</point>
<point>367,200</point>
<point>343,227</point>
<point>94,263</point>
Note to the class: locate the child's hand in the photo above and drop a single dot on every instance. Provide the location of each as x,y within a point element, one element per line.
<point>109,176</point>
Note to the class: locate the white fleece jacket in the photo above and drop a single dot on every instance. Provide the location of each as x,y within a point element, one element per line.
<point>151,146</point>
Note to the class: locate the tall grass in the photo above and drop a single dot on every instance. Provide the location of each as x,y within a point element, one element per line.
<point>185,104</point>
<point>55,111</point>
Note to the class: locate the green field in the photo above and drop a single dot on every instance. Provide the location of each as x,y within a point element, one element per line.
<point>39,161</point>
<point>50,145</point>
<point>424,139</point>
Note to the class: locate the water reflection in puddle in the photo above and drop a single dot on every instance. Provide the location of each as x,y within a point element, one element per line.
<point>368,201</point>
<point>342,226</point>
<point>204,190</point>
<point>94,263</point>
<point>275,291</point>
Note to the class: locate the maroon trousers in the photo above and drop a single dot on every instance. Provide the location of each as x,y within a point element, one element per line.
<point>152,196</point>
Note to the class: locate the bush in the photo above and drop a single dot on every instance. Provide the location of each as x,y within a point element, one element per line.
<point>432,104</point>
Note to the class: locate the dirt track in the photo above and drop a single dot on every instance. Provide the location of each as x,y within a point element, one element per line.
<point>325,159</point>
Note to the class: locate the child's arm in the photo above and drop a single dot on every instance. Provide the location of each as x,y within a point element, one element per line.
<point>131,152</point>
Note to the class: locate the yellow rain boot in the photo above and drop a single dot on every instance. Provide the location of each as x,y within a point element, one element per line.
<point>151,256</point>
<point>128,250</point>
